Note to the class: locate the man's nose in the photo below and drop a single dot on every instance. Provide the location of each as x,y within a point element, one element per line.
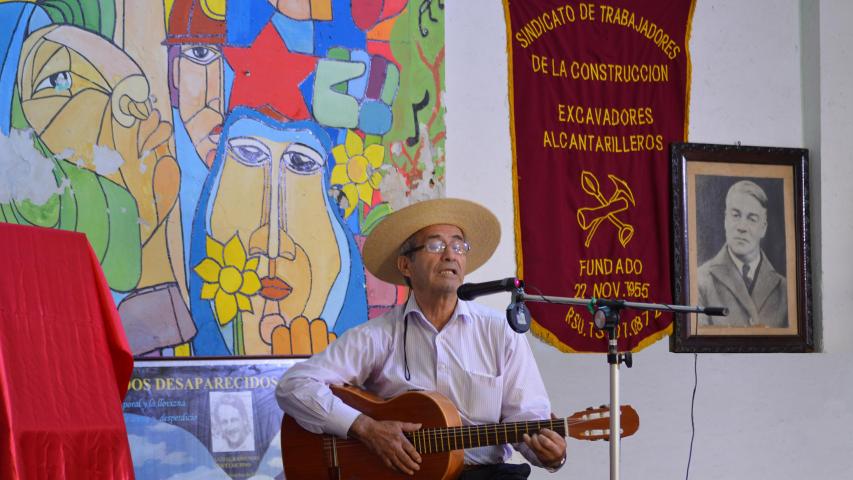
<point>449,254</point>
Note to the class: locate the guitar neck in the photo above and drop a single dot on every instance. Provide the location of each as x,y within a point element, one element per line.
<point>434,440</point>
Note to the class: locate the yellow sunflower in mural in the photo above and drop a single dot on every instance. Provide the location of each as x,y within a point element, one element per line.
<point>357,170</point>
<point>229,278</point>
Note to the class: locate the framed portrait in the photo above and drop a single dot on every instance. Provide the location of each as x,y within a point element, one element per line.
<point>741,242</point>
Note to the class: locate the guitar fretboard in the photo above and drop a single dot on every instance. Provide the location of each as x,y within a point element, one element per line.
<point>433,440</point>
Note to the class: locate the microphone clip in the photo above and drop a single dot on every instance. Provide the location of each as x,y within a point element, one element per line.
<point>517,314</point>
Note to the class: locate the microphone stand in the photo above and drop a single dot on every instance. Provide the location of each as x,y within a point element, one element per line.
<point>606,315</point>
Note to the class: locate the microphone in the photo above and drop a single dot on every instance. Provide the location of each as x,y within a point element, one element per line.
<point>716,311</point>
<point>470,291</point>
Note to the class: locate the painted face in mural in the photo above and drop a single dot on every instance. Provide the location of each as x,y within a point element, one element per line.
<point>67,77</point>
<point>83,95</point>
<point>271,193</point>
<point>197,76</point>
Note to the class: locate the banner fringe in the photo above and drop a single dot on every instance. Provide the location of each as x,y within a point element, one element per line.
<point>689,68</point>
<point>519,262</point>
<point>546,336</point>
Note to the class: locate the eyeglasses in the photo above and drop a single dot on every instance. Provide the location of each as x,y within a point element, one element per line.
<point>436,245</point>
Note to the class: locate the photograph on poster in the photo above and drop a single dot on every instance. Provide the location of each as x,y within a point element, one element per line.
<point>231,422</point>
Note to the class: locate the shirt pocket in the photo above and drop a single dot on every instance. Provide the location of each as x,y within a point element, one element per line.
<point>483,397</point>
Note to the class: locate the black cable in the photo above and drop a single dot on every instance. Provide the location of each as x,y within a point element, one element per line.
<point>692,405</point>
<point>541,295</point>
<point>405,350</point>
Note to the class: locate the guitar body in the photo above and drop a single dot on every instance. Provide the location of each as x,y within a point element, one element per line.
<point>307,454</point>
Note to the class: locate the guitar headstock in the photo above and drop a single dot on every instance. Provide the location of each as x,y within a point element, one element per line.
<point>594,423</point>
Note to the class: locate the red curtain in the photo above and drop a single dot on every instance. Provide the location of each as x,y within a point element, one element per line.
<point>64,360</point>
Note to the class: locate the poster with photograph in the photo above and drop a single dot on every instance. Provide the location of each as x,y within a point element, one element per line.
<point>205,419</point>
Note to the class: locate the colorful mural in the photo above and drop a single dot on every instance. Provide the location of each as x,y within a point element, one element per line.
<point>224,158</point>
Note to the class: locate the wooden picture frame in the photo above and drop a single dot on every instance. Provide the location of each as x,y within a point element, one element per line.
<point>741,241</point>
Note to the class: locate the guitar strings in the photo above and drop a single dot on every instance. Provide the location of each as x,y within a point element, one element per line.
<point>450,434</point>
<point>444,436</point>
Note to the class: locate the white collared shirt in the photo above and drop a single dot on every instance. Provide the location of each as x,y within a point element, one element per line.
<point>476,360</point>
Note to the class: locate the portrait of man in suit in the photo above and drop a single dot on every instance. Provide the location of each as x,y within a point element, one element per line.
<point>740,276</point>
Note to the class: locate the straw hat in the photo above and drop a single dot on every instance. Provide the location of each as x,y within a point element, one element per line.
<point>480,227</point>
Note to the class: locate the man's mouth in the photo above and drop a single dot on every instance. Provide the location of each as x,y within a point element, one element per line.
<point>275,288</point>
<point>448,271</point>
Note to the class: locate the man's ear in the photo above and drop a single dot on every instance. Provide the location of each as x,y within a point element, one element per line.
<point>403,265</point>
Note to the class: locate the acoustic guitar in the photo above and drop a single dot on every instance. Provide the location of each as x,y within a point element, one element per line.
<point>440,441</point>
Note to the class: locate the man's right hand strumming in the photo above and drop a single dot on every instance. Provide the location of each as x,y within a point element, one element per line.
<point>385,438</point>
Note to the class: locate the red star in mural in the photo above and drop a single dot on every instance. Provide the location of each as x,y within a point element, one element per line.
<point>267,75</point>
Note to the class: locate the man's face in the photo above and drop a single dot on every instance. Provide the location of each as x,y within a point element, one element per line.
<point>438,273</point>
<point>233,425</point>
<point>746,224</point>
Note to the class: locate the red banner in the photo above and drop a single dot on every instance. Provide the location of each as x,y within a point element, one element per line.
<point>598,91</point>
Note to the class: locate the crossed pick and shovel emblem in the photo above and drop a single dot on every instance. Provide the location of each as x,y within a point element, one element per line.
<point>590,218</point>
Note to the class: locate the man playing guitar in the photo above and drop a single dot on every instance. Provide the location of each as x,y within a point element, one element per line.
<point>433,342</point>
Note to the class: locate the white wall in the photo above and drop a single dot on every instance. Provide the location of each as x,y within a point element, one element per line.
<point>836,144</point>
<point>769,416</point>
